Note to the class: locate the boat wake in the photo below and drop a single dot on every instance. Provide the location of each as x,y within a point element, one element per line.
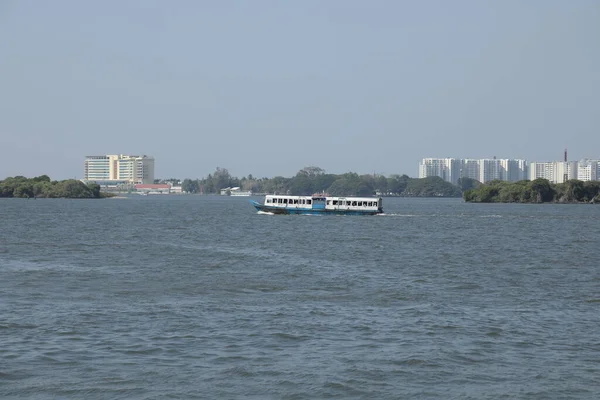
<point>397,215</point>
<point>265,213</point>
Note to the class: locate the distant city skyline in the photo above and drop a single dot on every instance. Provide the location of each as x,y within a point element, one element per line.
<point>489,169</point>
<point>267,88</point>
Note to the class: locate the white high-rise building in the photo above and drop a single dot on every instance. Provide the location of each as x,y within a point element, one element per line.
<point>471,169</point>
<point>119,168</point>
<point>515,170</point>
<point>486,170</point>
<point>554,171</point>
<point>490,170</point>
<point>446,168</point>
<point>588,170</point>
<point>564,171</point>
<point>544,170</point>
<point>483,170</point>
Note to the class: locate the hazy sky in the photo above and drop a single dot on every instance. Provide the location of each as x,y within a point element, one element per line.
<point>269,87</point>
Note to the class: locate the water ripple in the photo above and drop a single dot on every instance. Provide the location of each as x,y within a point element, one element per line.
<point>200,297</point>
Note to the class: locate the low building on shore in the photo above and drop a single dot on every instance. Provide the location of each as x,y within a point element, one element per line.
<point>155,188</point>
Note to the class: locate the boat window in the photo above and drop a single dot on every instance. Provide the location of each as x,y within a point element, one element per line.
<point>354,203</point>
<point>328,202</point>
<point>284,201</point>
<point>375,204</point>
<point>370,204</point>
<point>335,202</point>
<point>308,201</point>
<point>268,200</point>
<point>360,203</point>
<point>280,201</point>
<point>295,201</point>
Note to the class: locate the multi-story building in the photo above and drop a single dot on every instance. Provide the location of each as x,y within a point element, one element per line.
<point>483,170</point>
<point>588,170</point>
<point>565,170</point>
<point>98,168</point>
<point>515,170</point>
<point>119,168</point>
<point>544,170</point>
<point>470,169</point>
<point>554,171</point>
<point>448,169</point>
<point>490,170</point>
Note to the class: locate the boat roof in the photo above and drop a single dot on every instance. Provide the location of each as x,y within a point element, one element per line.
<point>325,197</point>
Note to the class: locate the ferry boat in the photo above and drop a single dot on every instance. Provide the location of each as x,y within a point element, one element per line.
<point>320,204</point>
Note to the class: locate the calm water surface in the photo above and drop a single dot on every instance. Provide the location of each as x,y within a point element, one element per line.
<point>201,297</point>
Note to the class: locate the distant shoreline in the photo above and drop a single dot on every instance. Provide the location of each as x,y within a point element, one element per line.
<point>538,191</point>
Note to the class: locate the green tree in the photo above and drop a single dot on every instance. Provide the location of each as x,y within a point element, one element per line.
<point>221,179</point>
<point>468,183</point>
<point>397,183</point>
<point>311,171</point>
<point>190,186</point>
<point>541,191</point>
<point>381,184</point>
<point>95,189</point>
<point>432,186</point>
<point>42,178</point>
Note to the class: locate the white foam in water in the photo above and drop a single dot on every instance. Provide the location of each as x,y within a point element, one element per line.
<point>397,215</point>
<point>265,213</point>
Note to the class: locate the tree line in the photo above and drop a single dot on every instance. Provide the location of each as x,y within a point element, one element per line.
<point>312,179</point>
<point>42,186</point>
<point>536,191</point>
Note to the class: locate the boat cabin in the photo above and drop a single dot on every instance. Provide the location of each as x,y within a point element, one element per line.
<point>324,202</point>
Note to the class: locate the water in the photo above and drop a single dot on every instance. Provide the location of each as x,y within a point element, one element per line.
<point>201,297</point>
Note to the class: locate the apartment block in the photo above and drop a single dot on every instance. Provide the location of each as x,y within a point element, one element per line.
<point>111,169</point>
<point>513,170</point>
<point>554,171</point>
<point>588,170</point>
<point>483,170</point>
<point>446,168</point>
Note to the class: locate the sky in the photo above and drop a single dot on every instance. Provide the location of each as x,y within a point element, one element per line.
<point>269,87</point>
